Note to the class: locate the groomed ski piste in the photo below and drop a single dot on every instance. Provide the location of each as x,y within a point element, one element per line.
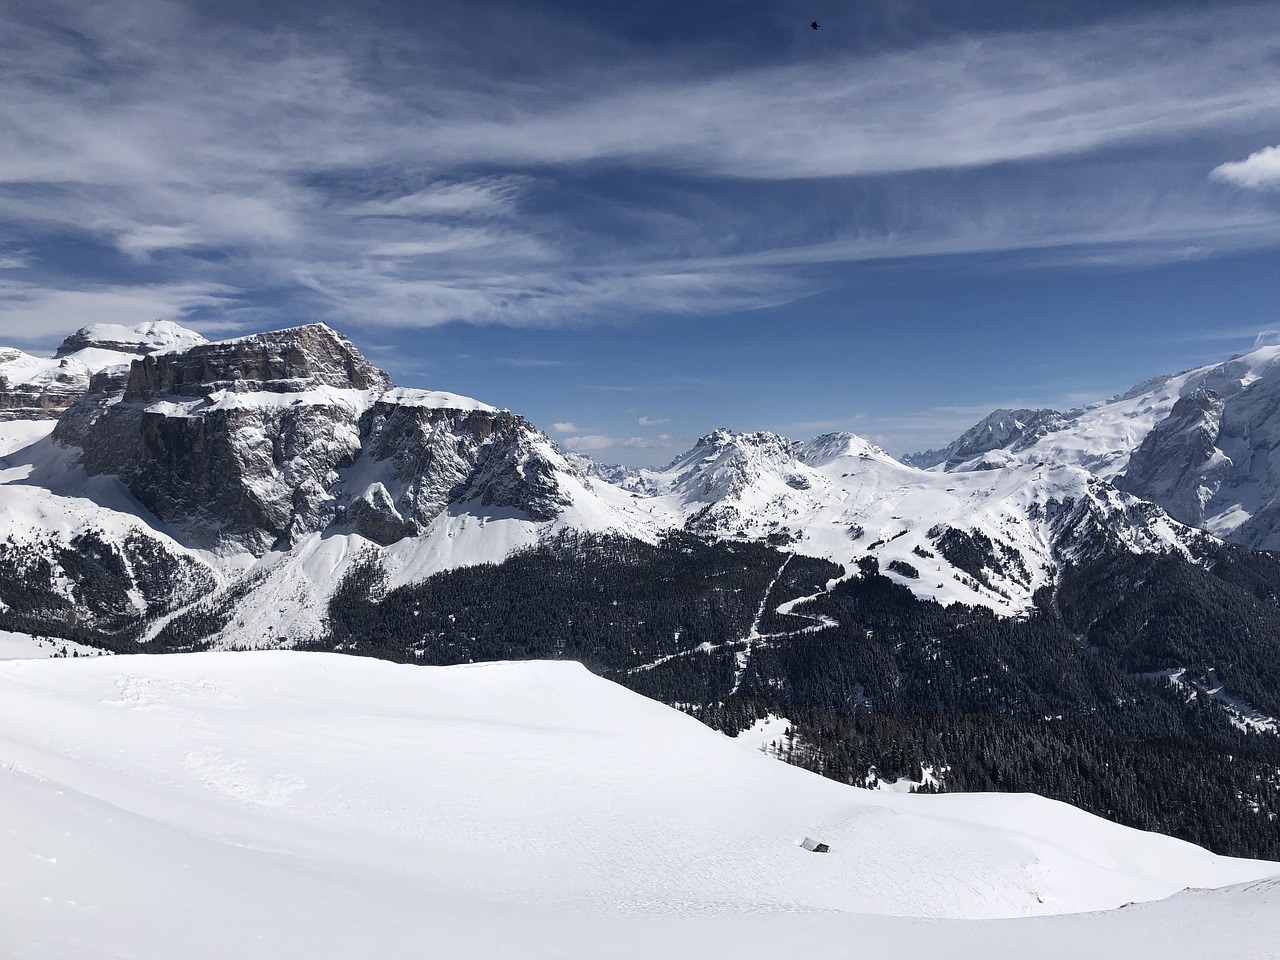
<point>289,805</point>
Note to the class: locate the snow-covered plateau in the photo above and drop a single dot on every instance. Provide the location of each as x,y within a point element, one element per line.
<point>282,805</point>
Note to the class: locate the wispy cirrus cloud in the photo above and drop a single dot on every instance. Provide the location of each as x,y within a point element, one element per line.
<point>596,442</point>
<point>405,179</point>
<point>534,362</point>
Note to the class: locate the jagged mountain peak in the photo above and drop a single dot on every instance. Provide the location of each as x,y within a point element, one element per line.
<point>722,437</point>
<point>41,388</point>
<point>252,443</point>
<point>832,446</point>
<point>724,463</point>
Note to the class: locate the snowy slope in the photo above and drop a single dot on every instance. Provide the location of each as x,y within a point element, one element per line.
<point>1102,436</point>
<point>24,646</point>
<point>289,591</point>
<point>51,513</point>
<point>308,805</point>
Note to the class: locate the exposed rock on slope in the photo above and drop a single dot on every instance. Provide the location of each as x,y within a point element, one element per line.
<point>33,388</point>
<point>999,430</point>
<point>250,443</point>
<point>1214,462</point>
<point>1201,444</point>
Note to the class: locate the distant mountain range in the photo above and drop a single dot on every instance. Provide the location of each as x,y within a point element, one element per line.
<point>160,492</point>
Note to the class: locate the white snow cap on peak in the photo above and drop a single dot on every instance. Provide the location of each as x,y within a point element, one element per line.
<point>832,446</point>
<point>437,399</point>
<point>154,336</point>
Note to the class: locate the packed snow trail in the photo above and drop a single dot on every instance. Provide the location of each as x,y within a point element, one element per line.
<point>1242,715</point>
<point>819,621</point>
<point>754,638</point>
<point>743,657</point>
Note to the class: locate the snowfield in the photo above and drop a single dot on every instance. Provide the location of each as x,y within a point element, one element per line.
<point>278,804</point>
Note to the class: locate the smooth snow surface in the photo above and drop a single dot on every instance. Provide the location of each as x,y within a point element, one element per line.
<point>23,646</point>
<point>156,336</point>
<point>306,805</point>
<point>436,399</point>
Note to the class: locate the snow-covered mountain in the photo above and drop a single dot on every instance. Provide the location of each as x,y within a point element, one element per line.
<point>303,805</point>
<point>38,387</point>
<point>1201,444</point>
<point>278,490</point>
<point>253,443</point>
<point>1000,429</point>
<point>275,460</point>
<point>269,460</point>
<point>840,497</point>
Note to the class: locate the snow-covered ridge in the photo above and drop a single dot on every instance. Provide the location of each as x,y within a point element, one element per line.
<point>434,399</point>
<point>41,388</point>
<point>256,444</point>
<point>841,497</point>
<point>1103,435</point>
<point>1199,443</point>
<point>327,804</point>
<point>156,336</point>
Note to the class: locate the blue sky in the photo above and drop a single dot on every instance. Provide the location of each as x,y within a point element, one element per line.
<point>635,222</point>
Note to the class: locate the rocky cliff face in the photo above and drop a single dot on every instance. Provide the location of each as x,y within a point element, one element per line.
<point>39,388</point>
<point>1203,444</point>
<point>249,443</point>
<point>423,452</point>
<point>1214,462</point>
<point>1178,464</point>
<point>287,361</point>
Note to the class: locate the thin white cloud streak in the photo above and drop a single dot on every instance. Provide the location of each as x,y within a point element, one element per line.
<point>486,197</point>
<point>1258,171</point>
<point>654,421</point>
<point>532,362</point>
<point>144,127</point>
<point>958,104</point>
<point>1266,338</point>
<point>595,442</point>
<point>33,314</point>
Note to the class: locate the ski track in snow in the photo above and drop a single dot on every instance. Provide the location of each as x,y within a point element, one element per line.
<point>754,638</point>
<point>743,656</point>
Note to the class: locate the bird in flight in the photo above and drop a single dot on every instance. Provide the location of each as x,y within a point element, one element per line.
<point>814,25</point>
